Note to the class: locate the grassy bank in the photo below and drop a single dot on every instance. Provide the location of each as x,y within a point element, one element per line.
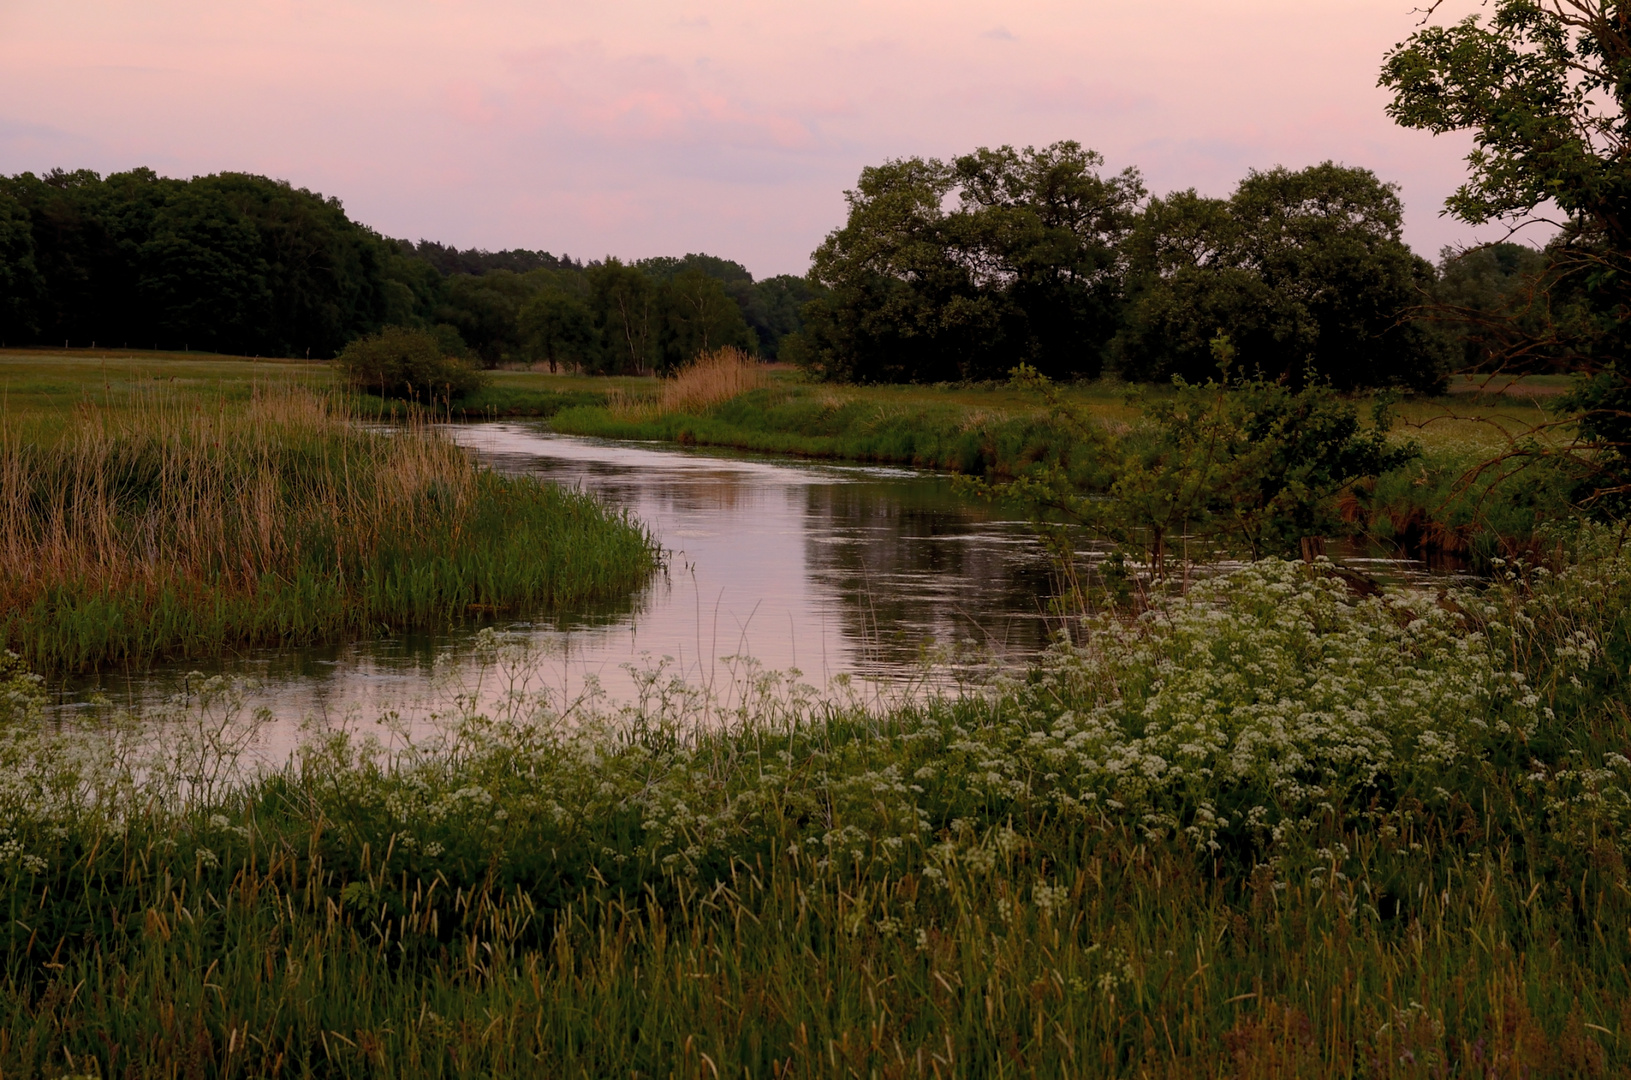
<point>1438,505</point>
<point>155,525</point>
<point>1442,503</point>
<point>1271,830</point>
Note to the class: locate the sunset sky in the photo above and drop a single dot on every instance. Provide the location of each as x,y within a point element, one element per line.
<point>636,127</point>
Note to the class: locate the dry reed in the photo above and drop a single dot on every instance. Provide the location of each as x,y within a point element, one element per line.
<point>163,493</point>
<point>170,529</point>
<point>711,379</point>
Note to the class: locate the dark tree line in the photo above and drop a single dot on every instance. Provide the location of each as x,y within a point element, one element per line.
<point>243,264</point>
<point>945,270</point>
<point>606,316</point>
<point>229,263</point>
<point>964,269</point>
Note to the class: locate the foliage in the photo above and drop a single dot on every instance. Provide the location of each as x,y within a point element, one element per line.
<point>1544,87</point>
<point>172,531</point>
<point>20,281</point>
<point>403,363</point>
<point>625,301</point>
<point>774,311</point>
<point>1482,292</point>
<point>230,263</point>
<point>1248,461</point>
<point>485,311</point>
<point>557,327</point>
<point>1601,408</point>
<point>1022,269</point>
<point>1268,830</point>
<point>1306,270</point>
<point>701,319</point>
<point>448,261</point>
<point>242,264</point>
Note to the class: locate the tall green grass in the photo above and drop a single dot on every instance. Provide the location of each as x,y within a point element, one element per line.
<point>170,530</point>
<point>1268,830</point>
<point>1441,504</point>
<point>810,423</point>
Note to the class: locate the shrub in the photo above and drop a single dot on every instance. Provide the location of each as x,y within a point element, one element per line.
<point>403,363</point>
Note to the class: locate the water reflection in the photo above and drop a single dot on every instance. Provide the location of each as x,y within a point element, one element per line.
<point>834,570</point>
<point>908,569</point>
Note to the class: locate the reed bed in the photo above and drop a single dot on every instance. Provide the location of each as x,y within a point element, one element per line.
<point>165,529</point>
<point>713,378</point>
<point>1271,829</point>
<point>710,379</point>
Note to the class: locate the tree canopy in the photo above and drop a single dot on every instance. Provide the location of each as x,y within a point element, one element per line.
<point>1544,87</point>
<point>229,262</point>
<point>1022,268</point>
<point>1306,272</point>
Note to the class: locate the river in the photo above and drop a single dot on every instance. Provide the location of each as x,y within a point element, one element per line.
<point>885,576</point>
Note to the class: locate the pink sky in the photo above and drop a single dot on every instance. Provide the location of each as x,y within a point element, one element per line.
<point>635,127</point>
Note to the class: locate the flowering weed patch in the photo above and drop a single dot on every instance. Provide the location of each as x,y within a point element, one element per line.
<point>1272,829</point>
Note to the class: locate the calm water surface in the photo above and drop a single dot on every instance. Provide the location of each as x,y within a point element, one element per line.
<point>829,569</point>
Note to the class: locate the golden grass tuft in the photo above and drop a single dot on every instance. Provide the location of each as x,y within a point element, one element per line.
<point>711,379</point>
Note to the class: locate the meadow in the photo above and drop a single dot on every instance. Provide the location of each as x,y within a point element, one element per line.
<point>1276,824</point>
<point>1270,829</point>
<point>183,507</point>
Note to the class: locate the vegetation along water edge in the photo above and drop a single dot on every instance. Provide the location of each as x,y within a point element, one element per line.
<point>166,525</point>
<point>1273,828</point>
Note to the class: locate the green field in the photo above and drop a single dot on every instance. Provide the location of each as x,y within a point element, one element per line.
<point>1440,504</point>
<point>173,507</point>
<point>811,418</point>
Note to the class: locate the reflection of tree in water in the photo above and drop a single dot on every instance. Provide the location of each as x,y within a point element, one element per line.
<point>915,565</point>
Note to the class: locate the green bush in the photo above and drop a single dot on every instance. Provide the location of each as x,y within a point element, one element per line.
<point>403,363</point>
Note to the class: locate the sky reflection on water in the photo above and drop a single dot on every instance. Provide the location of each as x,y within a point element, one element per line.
<point>878,574</point>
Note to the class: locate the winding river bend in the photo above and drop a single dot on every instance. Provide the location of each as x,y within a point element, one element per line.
<point>835,570</point>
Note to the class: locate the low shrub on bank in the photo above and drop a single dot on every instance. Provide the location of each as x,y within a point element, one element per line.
<point>399,362</point>
<point>174,531</point>
<point>1270,829</point>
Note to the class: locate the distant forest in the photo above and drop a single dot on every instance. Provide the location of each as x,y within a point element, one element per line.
<point>243,264</point>
<point>944,271</point>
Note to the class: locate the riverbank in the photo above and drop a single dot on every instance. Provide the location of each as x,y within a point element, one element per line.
<point>1172,854</point>
<point>1441,505</point>
<point>157,524</point>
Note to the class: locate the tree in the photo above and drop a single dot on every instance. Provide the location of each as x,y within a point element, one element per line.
<point>1482,292</point>
<point>1023,268</point>
<point>1246,461</point>
<point>203,275</point>
<point>624,303</point>
<point>1544,86</point>
<point>775,310</point>
<point>20,282</point>
<point>1306,271</point>
<point>558,327</point>
<point>699,317</point>
<point>485,310</point>
<point>405,363</point>
<point>231,261</point>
